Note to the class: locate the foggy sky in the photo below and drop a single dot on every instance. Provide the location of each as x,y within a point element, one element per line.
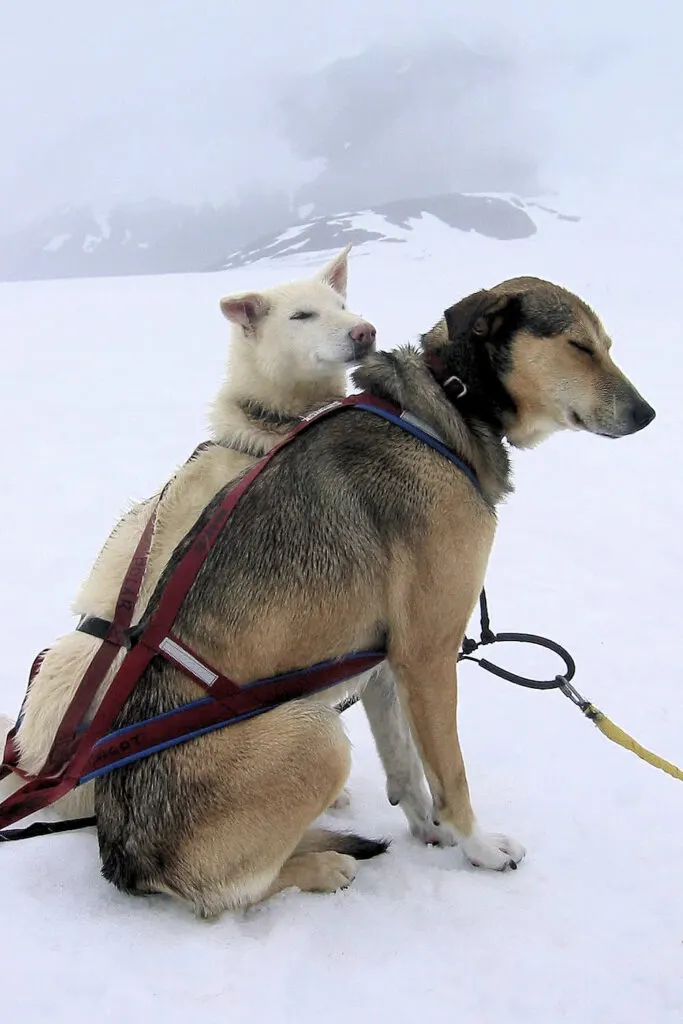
<point>170,98</point>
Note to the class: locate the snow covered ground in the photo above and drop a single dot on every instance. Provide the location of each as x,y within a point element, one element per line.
<point>102,394</point>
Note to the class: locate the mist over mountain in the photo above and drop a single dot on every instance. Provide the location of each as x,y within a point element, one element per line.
<point>393,123</point>
<point>396,122</point>
<point>159,138</point>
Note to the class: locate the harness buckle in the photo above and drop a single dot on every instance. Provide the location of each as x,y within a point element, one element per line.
<point>570,691</point>
<point>456,380</point>
<point>104,629</point>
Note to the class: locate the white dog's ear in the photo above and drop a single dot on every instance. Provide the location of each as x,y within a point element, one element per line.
<point>336,272</point>
<point>246,309</point>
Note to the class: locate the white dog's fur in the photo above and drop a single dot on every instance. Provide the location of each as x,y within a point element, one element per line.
<point>284,364</point>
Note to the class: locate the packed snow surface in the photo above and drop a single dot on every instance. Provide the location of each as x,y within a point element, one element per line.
<point>103,393</point>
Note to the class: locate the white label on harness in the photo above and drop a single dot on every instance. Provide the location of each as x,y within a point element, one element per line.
<point>421,425</point>
<point>320,411</point>
<point>188,661</point>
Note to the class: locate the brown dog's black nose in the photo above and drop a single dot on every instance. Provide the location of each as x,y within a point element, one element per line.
<point>363,337</point>
<point>640,414</point>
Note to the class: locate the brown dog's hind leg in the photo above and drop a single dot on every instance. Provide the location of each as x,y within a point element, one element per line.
<point>428,686</point>
<point>270,779</point>
<point>326,871</point>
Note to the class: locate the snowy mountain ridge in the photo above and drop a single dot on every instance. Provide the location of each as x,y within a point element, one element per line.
<point>155,237</point>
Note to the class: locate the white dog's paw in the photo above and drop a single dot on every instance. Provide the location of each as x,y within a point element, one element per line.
<point>415,802</point>
<point>492,851</point>
<point>433,835</point>
<point>343,801</point>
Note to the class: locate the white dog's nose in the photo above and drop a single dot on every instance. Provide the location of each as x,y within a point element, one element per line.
<point>363,336</point>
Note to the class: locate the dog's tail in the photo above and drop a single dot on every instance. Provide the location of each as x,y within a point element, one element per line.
<point>318,840</point>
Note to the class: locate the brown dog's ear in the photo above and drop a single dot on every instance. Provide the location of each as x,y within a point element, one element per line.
<point>484,315</point>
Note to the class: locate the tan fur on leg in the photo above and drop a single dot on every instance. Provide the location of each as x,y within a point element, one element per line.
<point>282,771</point>
<point>315,872</point>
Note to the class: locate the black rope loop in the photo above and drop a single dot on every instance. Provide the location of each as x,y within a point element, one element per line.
<point>489,637</point>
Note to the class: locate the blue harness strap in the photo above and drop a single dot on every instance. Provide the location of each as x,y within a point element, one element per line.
<point>414,428</point>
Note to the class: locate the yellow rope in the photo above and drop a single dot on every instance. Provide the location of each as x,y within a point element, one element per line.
<point>617,735</point>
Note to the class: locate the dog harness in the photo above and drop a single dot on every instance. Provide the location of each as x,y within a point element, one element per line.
<point>84,750</point>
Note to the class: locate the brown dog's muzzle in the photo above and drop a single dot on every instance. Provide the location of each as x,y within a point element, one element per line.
<point>640,414</point>
<point>622,411</point>
<point>632,412</point>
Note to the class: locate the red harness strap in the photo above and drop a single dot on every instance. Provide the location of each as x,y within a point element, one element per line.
<point>73,753</point>
<point>228,703</point>
<point>65,738</point>
<point>10,760</point>
<point>94,675</point>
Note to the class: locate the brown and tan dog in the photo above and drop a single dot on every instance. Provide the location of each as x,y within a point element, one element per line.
<point>550,372</point>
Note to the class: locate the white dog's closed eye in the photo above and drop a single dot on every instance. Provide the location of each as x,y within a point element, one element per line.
<point>304,314</point>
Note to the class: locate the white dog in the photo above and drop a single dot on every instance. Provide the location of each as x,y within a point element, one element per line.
<point>290,349</point>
